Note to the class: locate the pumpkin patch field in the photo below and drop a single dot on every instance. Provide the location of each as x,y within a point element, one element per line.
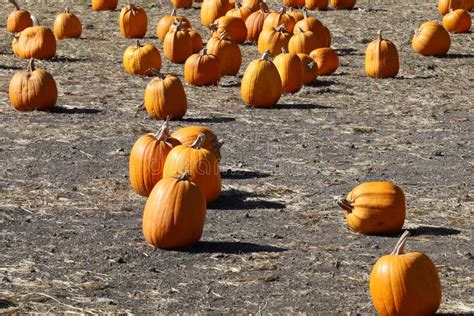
<point>242,158</point>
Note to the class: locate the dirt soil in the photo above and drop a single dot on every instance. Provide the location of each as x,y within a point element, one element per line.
<point>275,241</point>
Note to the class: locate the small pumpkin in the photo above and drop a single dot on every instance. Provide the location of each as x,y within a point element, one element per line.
<point>182,4</point>
<point>168,20</point>
<point>202,69</point>
<point>133,21</point>
<point>35,42</point>
<point>276,19</point>
<point>381,59</point>
<point>165,97</point>
<point>374,208</point>
<point>67,25</point>
<point>405,283</point>
<point>445,6</point>
<point>431,39</point>
<point>196,40</point>
<point>147,159</point>
<point>255,5</point>
<point>261,84</point>
<point>296,14</point>
<point>290,70</point>
<point>239,11</point>
<point>33,89</point>
<point>305,42</point>
<point>273,40</point>
<point>254,24</point>
<point>228,53</point>
<point>234,26</point>
<point>174,213</point>
<point>178,44</point>
<point>458,21</point>
<point>104,5</point>
<point>201,164</point>
<point>19,19</point>
<point>327,60</point>
<point>343,4</point>
<point>314,25</point>
<point>138,59</point>
<point>211,10</point>
<point>187,136</point>
<point>309,68</point>
<point>321,5</point>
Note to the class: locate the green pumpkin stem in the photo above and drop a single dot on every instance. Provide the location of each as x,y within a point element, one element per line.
<point>344,203</point>
<point>198,142</point>
<point>399,247</point>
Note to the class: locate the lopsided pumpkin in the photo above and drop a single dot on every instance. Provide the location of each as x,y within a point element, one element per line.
<point>445,6</point>
<point>202,69</point>
<point>309,68</point>
<point>273,40</point>
<point>381,59</point>
<point>314,25</point>
<point>305,42</point>
<point>19,19</point>
<point>254,24</point>
<point>211,10</point>
<point>138,59</point>
<point>187,136</point>
<point>178,44</point>
<point>233,26</point>
<point>431,39</point>
<point>67,25</point>
<point>290,70</point>
<point>458,21</point>
<point>276,19</point>
<point>240,11</point>
<point>104,5</point>
<point>228,53</point>
<point>327,60</point>
<point>168,20</point>
<point>35,42</point>
<point>133,21</point>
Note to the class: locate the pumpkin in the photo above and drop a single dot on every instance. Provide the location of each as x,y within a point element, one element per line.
<point>445,6</point>
<point>138,59</point>
<point>104,5</point>
<point>468,5</point>
<point>290,70</point>
<point>296,14</point>
<point>305,42</point>
<point>314,25</point>
<point>276,19</point>
<point>381,59</point>
<point>174,213</point>
<point>343,4</point>
<point>405,283</point>
<point>182,4</point>
<point>147,159</point>
<point>431,39</point>
<point>178,44</point>
<point>196,40</point>
<point>254,24</point>
<point>309,68</point>
<point>255,5</point>
<point>211,10</point>
<point>19,19</point>
<point>165,97</point>
<point>374,208</point>
<point>168,20</point>
<point>240,12</point>
<point>201,164</point>
<point>202,69</point>
<point>458,21</point>
<point>35,42</point>
<point>327,60</point>
<point>228,53</point>
<point>33,89</point>
<point>261,84</point>
<point>234,26</point>
<point>133,21</point>
<point>187,136</point>
<point>273,40</point>
<point>67,25</point>
<point>293,3</point>
<point>316,4</point>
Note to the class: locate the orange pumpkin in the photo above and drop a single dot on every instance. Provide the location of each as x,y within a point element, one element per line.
<point>147,159</point>
<point>445,6</point>
<point>67,25</point>
<point>261,84</point>
<point>34,89</point>
<point>178,44</point>
<point>296,14</point>
<point>316,4</point>
<point>174,213</point>
<point>343,4</point>
<point>211,10</point>
<point>201,164</point>
<point>405,283</point>
<point>293,3</point>
<point>182,4</point>
<point>202,69</point>
<point>35,42</point>
<point>234,26</point>
<point>458,21</point>
<point>19,19</point>
<point>381,59</point>
<point>305,42</point>
<point>228,53</point>
<point>165,97</point>
<point>168,20</point>
<point>327,60</point>
<point>431,39</point>
<point>255,5</point>
<point>133,21</point>
<point>273,40</point>
<point>309,68</point>
<point>314,25</point>
<point>290,70</point>
<point>138,59</point>
<point>187,136</point>
<point>104,5</point>
<point>276,19</point>
<point>468,5</point>
<point>374,208</point>
<point>254,24</point>
<point>240,12</point>
<point>196,40</point>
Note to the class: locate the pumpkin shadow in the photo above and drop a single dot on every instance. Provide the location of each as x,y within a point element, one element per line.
<point>302,106</point>
<point>457,56</point>
<point>222,119</point>
<point>433,231</point>
<point>64,110</point>
<point>243,174</point>
<point>4,303</point>
<point>6,67</point>
<point>348,52</point>
<point>230,85</point>
<point>239,200</point>
<point>67,59</point>
<point>320,83</point>
<point>412,78</point>
<point>230,247</point>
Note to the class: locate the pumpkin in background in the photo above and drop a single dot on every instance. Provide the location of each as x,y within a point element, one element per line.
<point>316,4</point>
<point>239,11</point>
<point>201,164</point>
<point>276,19</point>
<point>196,40</point>
<point>431,39</point>
<point>327,60</point>
<point>211,10</point>
<point>381,59</point>
<point>67,25</point>
<point>234,26</point>
<point>374,208</point>
<point>178,44</point>
<point>254,24</point>
<point>293,3</point>
<point>182,4</point>
<point>273,40</point>
<point>343,4</point>
<point>405,283</point>
<point>305,42</point>
<point>19,19</point>
<point>138,59</point>
<point>228,53</point>
<point>290,70</point>
<point>187,136</point>
<point>314,25</point>
<point>35,42</point>
<point>147,159</point>
<point>104,5</point>
<point>309,68</point>
<point>296,14</point>
<point>165,97</point>
<point>168,20</point>
<point>133,21</point>
<point>255,5</point>
<point>33,89</point>
<point>174,213</point>
<point>458,21</point>
<point>445,6</point>
<point>202,69</point>
<point>261,83</point>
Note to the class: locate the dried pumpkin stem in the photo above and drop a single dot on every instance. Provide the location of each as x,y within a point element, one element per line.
<point>399,247</point>
<point>31,65</point>
<point>305,12</point>
<point>344,203</point>
<point>138,44</point>
<point>380,35</point>
<point>203,52</point>
<point>185,176</point>
<point>67,10</point>
<point>164,130</point>
<point>15,4</point>
<point>198,142</point>
<point>35,20</point>
<point>283,50</point>
<point>311,65</point>
<point>173,13</point>
<point>265,55</point>
<point>300,29</point>
<point>282,10</point>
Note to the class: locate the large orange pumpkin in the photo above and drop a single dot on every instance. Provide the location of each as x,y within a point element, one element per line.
<point>445,6</point>
<point>234,26</point>
<point>254,24</point>
<point>458,21</point>
<point>327,60</point>
<point>202,69</point>
<point>374,208</point>
<point>187,136</point>
<point>19,19</point>
<point>165,97</point>
<point>255,5</point>
<point>133,21</point>
<point>178,44</point>
<point>305,42</point>
<point>228,53</point>
<point>35,42</point>
<point>381,59</point>
<point>405,284</point>
<point>175,213</point>
<point>211,10</point>
<point>431,39</point>
<point>104,5</point>
<point>165,22</point>
<point>343,4</point>
<point>182,4</point>
<point>316,4</point>
<point>67,25</point>
<point>290,70</point>
<point>273,40</point>
<point>314,25</point>
<point>239,11</point>
<point>138,59</point>
<point>276,19</point>
<point>201,164</point>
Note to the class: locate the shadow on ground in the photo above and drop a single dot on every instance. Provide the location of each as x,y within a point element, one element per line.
<point>239,200</point>
<point>231,247</point>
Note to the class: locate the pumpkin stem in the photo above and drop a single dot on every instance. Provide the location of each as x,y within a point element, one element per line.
<point>283,50</point>
<point>213,27</point>
<point>282,10</point>
<point>15,4</point>
<point>198,142</point>
<point>224,35</point>
<point>185,176</point>
<point>173,13</point>
<point>203,52</point>
<point>138,44</point>
<point>311,65</point>
<point>67,10</point>
<point>164,130</point>
<point>237,5</point>
<point>265,55</point>
<point>305,12</point>
<point>399,247</point>
<point>35,20</point>
<point>300,29</point>
<point>281,28</point>
<point>31,65</point>
<point>380,35</point>
<point>344,203</point>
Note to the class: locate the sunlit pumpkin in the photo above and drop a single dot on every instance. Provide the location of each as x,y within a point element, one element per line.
<point>196,40</point>
<point>133,21</point>
<point>309,68</point>
<point>273,40</point>
<point>445,6</point>
<point>290,70</point>
<point>35,42</point>
<point>211,10</point>
<point>182,4</point>
<point>228,53</point>
<point>239,11</point>
<point>166,21</point>
<point>104,5</point>
<point>381,59</point>
<point>316,4</point>
<point>138,59</point>
<point>343,4</point>
<point>254,24</point>
<point>305,42</point>
<point>327,60</point>
<point>187,136</point>
<point>296,14</point>
<point>276,19</point>
<point>202,69</point>
<point>19,19</point>
<point>67,25</point>
<point>458,21</point>
<point>234,26</point>
<point>431,39</point>
<point>255,5</point>
<point>165,97</point>
<point>178,44</point>
<point>314,25</point>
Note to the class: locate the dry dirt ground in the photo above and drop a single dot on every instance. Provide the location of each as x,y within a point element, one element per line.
<point>275,242</point>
